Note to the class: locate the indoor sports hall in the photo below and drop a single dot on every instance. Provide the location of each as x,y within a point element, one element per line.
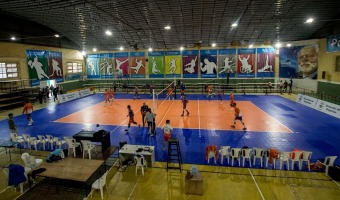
<point>169,100</point>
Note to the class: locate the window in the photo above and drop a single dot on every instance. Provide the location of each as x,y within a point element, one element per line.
<point>8,70</point>
<point>74,67</point>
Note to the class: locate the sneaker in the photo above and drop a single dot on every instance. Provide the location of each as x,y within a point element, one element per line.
<point>138,125</point>
<point>29,124</point>
<point>244,128</point>
<point>182,115</point>
<point>188,114</point>
<point>232,126</point>
<point>127,130</point>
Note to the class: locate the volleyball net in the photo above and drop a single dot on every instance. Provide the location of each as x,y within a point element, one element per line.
<point>159,98</point>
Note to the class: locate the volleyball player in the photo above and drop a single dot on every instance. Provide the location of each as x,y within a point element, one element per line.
<point>136,93</point>
<point>219,94</point>
<point>144,109</point>
<point>210,91</point>
<point>111,97</point>
<point>232,100</point>
<point>171,93</point>
<point>131,118</point>
<point>238,116</point>
<point>106,97</point>
<point>185,102</point>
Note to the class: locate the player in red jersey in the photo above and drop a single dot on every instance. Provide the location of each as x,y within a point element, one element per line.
<point>232,100</point>
<point>107,100</point>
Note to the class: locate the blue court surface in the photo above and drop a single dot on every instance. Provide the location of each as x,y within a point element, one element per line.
<point>312,130</point>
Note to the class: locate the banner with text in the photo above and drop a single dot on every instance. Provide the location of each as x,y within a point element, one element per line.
<point>74,95</point>
<point>208,62</point>
<point>156,64</point>
<point>227,62</point>
<point>137,64</point>
<point>246,63</point>
<point>265,62</point>
<point>190,64</point>
<point>306,100</point>
<point>333,43</point>
<point>328,108</point>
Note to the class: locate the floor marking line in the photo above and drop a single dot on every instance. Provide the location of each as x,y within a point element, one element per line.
<point>336,183</point>
<point>165,114</point>
<point>258,188</point>
<point>134,187</point>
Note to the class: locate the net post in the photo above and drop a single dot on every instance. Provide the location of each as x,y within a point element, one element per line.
<point>153,102</point>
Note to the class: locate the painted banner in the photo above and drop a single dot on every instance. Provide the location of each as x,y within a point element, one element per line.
<point>306,100</point>
<point>37,63</point>
<point>246,63</point>
<point>265,62</point>
<point>333,43</point>
<point>173,62</point>
<point>208,65</point>
<point>328,108</point>
<point>137,65</point>
<point>299,62</point>
<point>92,66</point>
<point>122,64</point>
<point>74,95</point>
<point>55,66</point>
<point>190,64</point>
<point>156,64</point>
<point>226,62</point>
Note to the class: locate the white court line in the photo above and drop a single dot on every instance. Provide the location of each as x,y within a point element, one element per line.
<point>134,187</point>
<point>5,189</point>
<point>336,183</point>
<point>165,113</point>
<point>272,117</point>
<point>199,118</point>
<point>258,188</point>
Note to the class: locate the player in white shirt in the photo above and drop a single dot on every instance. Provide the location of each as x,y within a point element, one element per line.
<point>167,131</point>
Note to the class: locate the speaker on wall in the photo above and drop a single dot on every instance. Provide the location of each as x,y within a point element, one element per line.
<point>323,75</point>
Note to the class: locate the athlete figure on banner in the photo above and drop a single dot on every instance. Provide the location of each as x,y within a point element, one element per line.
<point>56,68</point>
<point>266,67</point>
<point>192,64</point>
<point>91,65</point>
<point>118,64</point>
<point>245,68</point>
<point>155,69</point>
<point>38,68</point>
<point>138,66</point>
<point>227,66</point>
<point>172,63</point>
<point>208,67</point>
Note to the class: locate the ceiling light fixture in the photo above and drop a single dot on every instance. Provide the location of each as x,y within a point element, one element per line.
<point>289,45</point>
<point>181,48</point>
<point>234,24</point>
<point>13,38</point>
<point>150,49</point>
<point>251,46</point>
<point>83,53</point>
<point>94,49</point>
<point>278,45</point>
<point>121,48</point>
<point>213,44</point>
<point>309,20</point>
<point>167,27</point>
<point>108,32</point>
<point>56,35</point>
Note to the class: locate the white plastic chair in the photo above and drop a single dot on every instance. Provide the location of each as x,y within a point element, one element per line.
<point>27,140</point>
<point>50,140</point>
<point>212,154</point>
<point>43,141</point>
<point>267,156</point>
<point>246,154</point>
<point>87,146</point>
<point>99,185</point>
<point>329,161</point>
<point>295,156</point>
<point>140,163</point>
<point>30,163</point>
<point>258,153</point>
<point>34,142</point>
<point>306,156</point>
<point>284,157</point>
<point>72,144</point>
<point>58,142</point>
<point>224,152</point>
<point>235,153</point>
<point>16,138</point>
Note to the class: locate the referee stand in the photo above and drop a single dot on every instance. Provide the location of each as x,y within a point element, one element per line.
<point>174,155</point>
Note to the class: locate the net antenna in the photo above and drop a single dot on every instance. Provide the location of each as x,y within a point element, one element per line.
<point>158,98</point>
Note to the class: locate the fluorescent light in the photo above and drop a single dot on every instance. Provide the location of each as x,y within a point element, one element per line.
<point>83,53</point>
<point>278,45</point>
<point>167,27</point>
<point>251,46</point>
<point>13,38</point>
<point>121,48</point>
<point>181,48</point>
<point>213,44</point>
<point>150,49</point>
<point>310,20</point>
<point>108,32</point>
<point>289,45</point>
<point>56,35</point>
<point>234,25</point>
<point>94,49</point>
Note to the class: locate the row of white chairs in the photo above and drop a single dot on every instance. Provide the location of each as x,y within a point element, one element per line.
<point>260,154</point>
<point>54,142</point>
